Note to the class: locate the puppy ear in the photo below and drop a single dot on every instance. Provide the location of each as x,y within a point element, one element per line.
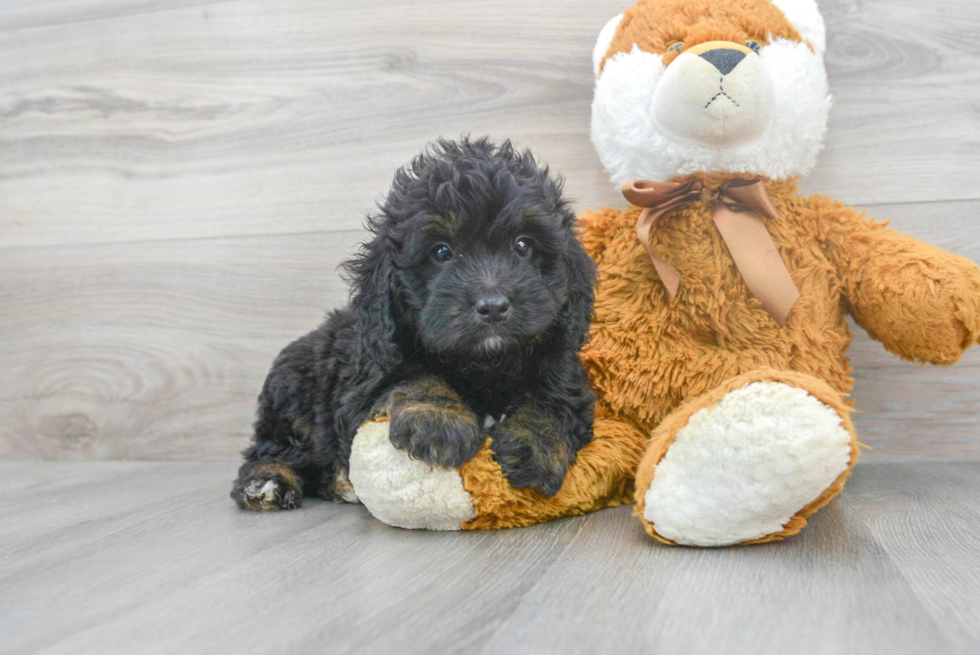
<point>373,295</point>
<point>576,314</point>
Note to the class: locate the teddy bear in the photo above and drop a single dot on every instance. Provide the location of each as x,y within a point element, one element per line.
<point>718,345</point>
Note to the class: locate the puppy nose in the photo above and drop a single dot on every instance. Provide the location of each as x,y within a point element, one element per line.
<point>724,59</point>
<point>492,310</point>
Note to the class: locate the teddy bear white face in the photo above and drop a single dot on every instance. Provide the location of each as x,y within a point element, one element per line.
<point>708,102</point>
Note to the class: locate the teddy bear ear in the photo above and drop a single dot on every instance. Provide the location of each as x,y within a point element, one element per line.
<point>602,44</point>
<point>806,18</point>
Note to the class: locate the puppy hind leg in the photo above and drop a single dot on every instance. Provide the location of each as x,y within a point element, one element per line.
<point>330,482</point>
<point>285,464</point>
<point>281,463</point>
<point>272,476</point>
<point>267,484</point>
<point>277,476</point>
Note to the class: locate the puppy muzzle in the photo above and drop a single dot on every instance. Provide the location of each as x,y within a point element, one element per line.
<point>715,94</point>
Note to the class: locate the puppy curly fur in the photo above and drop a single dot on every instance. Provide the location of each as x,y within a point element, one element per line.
<point>470,302</point>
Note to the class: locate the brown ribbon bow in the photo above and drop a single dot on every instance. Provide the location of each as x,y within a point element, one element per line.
<point>738,205</point>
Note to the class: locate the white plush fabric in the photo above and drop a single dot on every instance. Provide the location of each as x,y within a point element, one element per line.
<point>805,17</point>
<point>739,470</point>
<point>633,145</point>
<point>404,492</point>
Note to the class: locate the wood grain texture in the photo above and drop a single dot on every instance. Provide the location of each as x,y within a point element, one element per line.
<point>124,557</point>
<point>826,593</point>
<point>141,120</point>
<point>925,516</point>
<point>180,180</point>
<point>156,349</point>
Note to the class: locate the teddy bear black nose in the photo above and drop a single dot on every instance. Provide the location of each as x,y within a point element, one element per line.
<point>724,59</point>
<point>492,310</point>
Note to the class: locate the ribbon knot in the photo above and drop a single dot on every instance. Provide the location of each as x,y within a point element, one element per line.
<point>709,195</point>
<point>737,205</point>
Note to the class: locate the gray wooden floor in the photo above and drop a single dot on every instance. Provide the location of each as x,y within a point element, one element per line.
<point>133,557</point>
<point>179,180</point>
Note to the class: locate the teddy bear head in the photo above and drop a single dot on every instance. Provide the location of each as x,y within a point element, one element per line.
<point>712,86</point>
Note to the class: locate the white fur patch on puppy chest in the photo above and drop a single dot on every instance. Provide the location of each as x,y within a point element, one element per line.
<point>741,469</point>
<point>404,492</point>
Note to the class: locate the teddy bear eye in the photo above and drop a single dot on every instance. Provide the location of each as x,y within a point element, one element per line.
<point>442,253</point>
<point>523,247</point>
<point>754,45</point>
<point>676,46</point>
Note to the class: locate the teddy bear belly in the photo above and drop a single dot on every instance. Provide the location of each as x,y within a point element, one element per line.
<point>648,353</point>
<point>645,360</point>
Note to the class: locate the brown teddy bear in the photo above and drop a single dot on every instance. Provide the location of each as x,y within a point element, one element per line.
<point>718,346</point>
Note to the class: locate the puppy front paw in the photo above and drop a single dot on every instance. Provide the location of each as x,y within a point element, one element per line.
<point>430,422</point>
<point>532,451</point>
<point>434,436</point>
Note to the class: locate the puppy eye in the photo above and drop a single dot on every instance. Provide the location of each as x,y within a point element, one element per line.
<point>754,45</point>
<point>676,46</point>
<point>523,247</point>
<point>442,253</point>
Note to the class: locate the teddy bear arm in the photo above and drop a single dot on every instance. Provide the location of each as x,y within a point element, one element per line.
<point>601,476</point>
<point>921,302</point>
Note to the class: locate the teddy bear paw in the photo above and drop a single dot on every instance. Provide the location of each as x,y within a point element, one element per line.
<point>740,469</point>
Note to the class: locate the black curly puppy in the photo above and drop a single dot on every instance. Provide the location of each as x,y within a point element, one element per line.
<point>467,310</point>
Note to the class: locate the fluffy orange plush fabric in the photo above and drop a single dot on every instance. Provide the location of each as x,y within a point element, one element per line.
<point>601,477</point>
<point>655,361</point>
<point>921,302</point>
<point>654,25</point>
<point>648,354</point>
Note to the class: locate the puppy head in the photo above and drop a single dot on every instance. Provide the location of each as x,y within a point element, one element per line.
<point>474,255</point>
<point>711,86</point>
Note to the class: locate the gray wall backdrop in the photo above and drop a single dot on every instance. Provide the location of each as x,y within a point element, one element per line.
<point>179,181</point>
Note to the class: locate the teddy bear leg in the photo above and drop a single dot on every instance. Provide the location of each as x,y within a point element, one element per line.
<point>601,476</point>
<point>747,462</point>
<point>401,491</point>
<point>407,493</point>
